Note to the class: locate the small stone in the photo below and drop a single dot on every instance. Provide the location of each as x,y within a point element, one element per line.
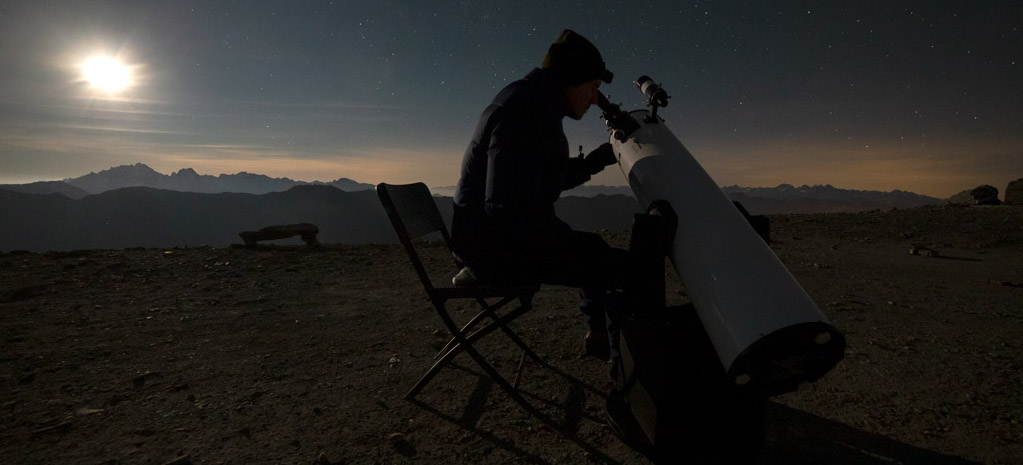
<point>63,428</point>
<point>87,411</point>
<point>401,444</point>
<point>140,379</point>
<point>182,460</point>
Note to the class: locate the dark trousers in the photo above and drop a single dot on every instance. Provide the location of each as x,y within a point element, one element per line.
<point>578,259</point>
<point>612,280</point>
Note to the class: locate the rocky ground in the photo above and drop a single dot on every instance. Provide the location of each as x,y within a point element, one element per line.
<point>301,355</point>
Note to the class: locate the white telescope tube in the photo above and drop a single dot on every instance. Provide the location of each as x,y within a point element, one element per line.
<point>766,330</point>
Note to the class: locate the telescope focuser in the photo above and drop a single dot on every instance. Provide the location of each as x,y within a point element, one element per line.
<point>618,121</point>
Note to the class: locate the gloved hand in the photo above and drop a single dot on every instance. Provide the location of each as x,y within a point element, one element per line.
<point>600,157</point>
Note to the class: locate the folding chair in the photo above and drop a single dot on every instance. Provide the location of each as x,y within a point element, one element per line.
<point>414,214</point>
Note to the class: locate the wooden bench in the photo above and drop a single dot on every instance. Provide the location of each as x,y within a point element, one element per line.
<point>306,231</point>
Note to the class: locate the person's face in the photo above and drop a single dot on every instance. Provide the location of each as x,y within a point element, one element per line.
<point>579,98</point>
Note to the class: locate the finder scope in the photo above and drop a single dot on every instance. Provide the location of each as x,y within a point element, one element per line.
<point>654,93</point>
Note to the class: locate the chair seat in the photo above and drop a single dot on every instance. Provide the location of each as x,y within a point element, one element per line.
<point>484,290</point>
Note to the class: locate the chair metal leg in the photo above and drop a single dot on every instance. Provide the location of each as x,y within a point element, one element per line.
<point>518,371</point>
<point>464,342</point>
<point>487,367</point>
<point>464,345</point>
<point>526,303</point>
<point>488,310</point>
<point>525,349</point>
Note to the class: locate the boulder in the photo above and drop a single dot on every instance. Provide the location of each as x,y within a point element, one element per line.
<point>1014,192</point>
<point>982,195</point>
<point>282,231</point>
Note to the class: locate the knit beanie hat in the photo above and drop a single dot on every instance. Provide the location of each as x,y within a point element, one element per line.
<point>575,60</point>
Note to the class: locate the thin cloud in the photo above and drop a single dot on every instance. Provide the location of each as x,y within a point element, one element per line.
<point>328,105</point>
<point>399,165</point>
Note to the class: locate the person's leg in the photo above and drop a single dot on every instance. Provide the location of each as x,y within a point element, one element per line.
<point>586,261</point>
<point>592,305</point>
<point>602,311</point>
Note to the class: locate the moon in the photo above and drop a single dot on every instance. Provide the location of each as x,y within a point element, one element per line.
<point>106,74</point>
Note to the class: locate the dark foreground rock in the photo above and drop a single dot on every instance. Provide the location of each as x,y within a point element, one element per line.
<point>1014,192</point>
<point>981,195</point>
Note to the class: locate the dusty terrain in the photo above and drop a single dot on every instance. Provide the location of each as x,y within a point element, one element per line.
<point>289,354</point>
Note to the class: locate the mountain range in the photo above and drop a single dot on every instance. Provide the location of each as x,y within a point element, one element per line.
<point>184,180</point>
<point>784,198</point>
<point>135,206</point>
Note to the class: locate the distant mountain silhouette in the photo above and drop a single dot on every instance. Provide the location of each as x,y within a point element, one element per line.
<point>587,190</point>
<point>135,206</point>
<point>581,191</point>
<point>47,187</point>
<point>187,180</point>
<point>784,198</point>
<point>147,217</point>
<point>158,218</point>
<point>787,198</point>
<point>610,212</point>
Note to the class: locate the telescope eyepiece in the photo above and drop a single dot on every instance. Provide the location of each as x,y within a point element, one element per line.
<point>619,122</point>
<point>655,95</point>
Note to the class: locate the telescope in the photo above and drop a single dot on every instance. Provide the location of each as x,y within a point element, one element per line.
<point>768,334</point>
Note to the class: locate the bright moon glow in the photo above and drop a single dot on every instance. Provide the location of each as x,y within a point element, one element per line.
<point>106,73</point>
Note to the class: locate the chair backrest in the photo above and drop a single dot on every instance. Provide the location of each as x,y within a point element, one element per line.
<point>414,214</point>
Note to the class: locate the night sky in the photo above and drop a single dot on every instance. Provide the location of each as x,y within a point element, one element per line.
<point>921,96</point>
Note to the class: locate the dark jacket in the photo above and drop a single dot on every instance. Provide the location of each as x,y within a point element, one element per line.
<point>513,171</point>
